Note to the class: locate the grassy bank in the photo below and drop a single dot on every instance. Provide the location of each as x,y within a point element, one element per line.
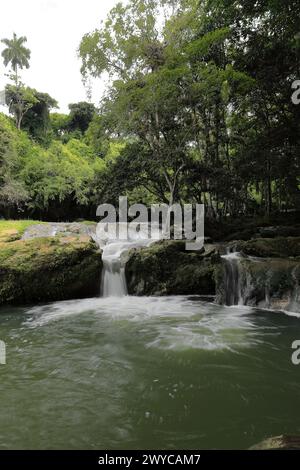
<point>46,268</point>
<point>11,230</point>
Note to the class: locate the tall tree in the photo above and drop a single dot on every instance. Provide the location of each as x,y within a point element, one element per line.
<point>204,89</point>
<point>145,100</point>
<point>19,98</point>
<point>16,54</point>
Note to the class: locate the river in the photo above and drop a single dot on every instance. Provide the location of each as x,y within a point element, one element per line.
<point>138,373</point>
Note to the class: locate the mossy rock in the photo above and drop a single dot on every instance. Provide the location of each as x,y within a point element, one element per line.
<point>269,247</point>
<point>49,269</point>
<point>272,283</point>
<point>279,231</point>
<point>166,268</point>
<point>278,277</point>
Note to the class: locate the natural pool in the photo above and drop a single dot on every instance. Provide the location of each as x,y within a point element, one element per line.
<point>136,373</point>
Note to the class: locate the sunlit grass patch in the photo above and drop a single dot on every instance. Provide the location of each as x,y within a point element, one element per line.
<point>11,230</point>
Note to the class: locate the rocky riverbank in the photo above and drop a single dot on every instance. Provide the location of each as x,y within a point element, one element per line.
<point>54,261</point>
<point>35,267</point>
<point>266,272</point>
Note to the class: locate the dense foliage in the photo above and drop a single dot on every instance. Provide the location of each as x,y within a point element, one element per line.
<point>201,93</point>
<point>198,109</point>
<point>48,183</point>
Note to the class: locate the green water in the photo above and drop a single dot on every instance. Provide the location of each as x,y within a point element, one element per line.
<point>138,373</point>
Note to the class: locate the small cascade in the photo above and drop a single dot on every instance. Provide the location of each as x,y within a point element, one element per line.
<point>232,281</point>
<point>246,280</point>
<point>113,282</point>
<point>262,282</point>
<point>295,297</point>
<point>240,284</point>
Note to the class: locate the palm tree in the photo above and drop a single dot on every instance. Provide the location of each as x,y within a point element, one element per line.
<point>16,54</point>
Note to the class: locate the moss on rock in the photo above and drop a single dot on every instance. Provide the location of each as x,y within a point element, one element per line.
<point>269,247</point>
<point>166,268</point>
<point>272,283</point>
<point>47,269</point>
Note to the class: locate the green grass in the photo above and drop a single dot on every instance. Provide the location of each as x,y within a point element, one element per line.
<point>11,230</point>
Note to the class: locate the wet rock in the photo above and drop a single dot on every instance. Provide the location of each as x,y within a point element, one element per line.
<point>282,442</point>
<point>51,229</point>
<point>166,268</point>
<point>245,234</point>
<point>278,231</point>
<point>263,282</point>
<point>268,247</point>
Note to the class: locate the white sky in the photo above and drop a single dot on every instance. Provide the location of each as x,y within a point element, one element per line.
<point>54,29</point>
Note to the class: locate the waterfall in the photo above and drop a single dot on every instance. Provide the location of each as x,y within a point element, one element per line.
<point>242,285</point>
<point>240,288</point>
<point>232,281</point>
<point>295,298</point>
<point>113,281</point>
<point>260,282</point>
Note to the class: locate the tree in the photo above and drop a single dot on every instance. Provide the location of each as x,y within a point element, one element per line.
<point>81,114</point>
<point>19,100</point>
<point>13,193</point>
<point>168,91</point>
<point>146,99</point>
<point>18,97</point>
<point>36,120</point>
<point>59,124</point>
<point>16,54</point>
<point>97,136</point>
<point>265,45</point>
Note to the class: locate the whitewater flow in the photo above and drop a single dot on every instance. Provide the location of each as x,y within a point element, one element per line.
<point>233,279</point>
<point>174,323</point>
<point>238,282</point>
<point>113,281</point>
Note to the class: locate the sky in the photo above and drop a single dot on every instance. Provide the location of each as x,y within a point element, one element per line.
<point>53,29</point>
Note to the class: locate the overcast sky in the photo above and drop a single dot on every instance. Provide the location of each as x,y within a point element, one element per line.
<point>54,29</point>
